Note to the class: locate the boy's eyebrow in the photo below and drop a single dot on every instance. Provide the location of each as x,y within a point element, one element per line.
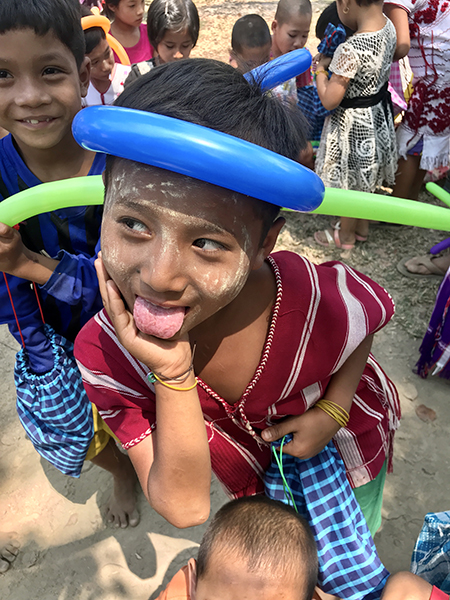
<point>206,225</point>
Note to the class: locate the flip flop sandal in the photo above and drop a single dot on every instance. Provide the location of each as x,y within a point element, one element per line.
<point>358,238</point>
<point>332,240</point>
<point>423,261</point>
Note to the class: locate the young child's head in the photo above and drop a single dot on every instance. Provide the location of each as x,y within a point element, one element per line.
<point>250,43</point>
<point>98,51</point>
<point>350,11</point>
<point>44,70</point>
<point>257,548</point>
<point>329,15</point>
<point>128,12</point>
<point>172,27</point>
<point>291,26</point>
<point>207,239</point>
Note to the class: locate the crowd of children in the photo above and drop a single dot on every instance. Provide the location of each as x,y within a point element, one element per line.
<point>198,345</point>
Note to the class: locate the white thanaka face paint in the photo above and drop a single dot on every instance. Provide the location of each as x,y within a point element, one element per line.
<point>176,241</point>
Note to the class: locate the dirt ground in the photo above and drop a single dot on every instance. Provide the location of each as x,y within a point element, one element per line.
<point>67,551</point>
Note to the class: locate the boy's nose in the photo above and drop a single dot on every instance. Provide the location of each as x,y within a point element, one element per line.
<point>178,54</point>
<point>165,272</point>
<point>29,93</point>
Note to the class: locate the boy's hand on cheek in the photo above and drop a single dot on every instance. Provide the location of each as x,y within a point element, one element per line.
<point>13,253</point>
<point>311,431</point>
<point>167,357</point>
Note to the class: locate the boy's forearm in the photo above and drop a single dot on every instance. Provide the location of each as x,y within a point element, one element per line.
<point>343,384</point>
<point>180,477</point>
<point>35,267</point>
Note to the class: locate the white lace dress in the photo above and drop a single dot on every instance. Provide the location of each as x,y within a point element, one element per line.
<point>358,149</point>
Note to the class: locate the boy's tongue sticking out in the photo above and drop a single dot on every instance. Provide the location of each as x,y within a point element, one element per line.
<point>155,320</point>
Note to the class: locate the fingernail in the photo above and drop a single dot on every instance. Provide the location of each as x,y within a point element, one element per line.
<point>266,435</point>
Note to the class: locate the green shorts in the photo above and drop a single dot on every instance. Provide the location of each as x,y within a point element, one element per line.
<point>370,499</point>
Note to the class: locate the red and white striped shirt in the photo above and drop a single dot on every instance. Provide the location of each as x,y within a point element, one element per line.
<point>320,316</point>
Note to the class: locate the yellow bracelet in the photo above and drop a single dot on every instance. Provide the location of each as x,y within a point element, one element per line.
<point>152,377</point>
<point>322,71</point>
<point>333,410</point>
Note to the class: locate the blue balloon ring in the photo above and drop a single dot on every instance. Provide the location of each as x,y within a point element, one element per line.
<point>198,152</point>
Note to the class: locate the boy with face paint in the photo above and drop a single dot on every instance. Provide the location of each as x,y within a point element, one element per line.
<point>242,343</point>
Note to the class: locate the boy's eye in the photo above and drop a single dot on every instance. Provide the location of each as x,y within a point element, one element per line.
<point>4,74</point>
<point>187,45</point>
<point>134,225</point>
<point>52,71</point>
<point>208,245</point>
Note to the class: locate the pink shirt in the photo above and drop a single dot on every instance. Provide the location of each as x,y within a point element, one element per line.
<point>140,51</point>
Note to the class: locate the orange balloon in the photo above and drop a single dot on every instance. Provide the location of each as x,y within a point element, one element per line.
<point>96,20</point>
<point>118,49</point>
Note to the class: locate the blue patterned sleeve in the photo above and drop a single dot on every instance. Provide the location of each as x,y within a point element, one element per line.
<point>75,281</point>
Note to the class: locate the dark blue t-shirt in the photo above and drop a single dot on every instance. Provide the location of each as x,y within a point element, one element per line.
<point>70,297</point>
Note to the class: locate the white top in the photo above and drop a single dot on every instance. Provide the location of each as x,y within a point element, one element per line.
<point>118,76</point>
<point>427,115</point>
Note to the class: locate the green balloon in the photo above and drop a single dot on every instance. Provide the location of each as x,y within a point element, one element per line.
<point>83,191</point>
<point>47,197</point>
<point>375,207</point>
<point>439,192</point>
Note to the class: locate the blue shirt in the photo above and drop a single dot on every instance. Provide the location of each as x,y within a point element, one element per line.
<point>71,296</point>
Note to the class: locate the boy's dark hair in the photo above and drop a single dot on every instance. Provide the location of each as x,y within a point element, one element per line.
<point>269,535</point>
<point>92,36</point>
<point>173,15</point>
<point>330,15</point>
<point>217,96</point>
<point>61,17</point>
<point>287,9</point>
<point>250,31</point>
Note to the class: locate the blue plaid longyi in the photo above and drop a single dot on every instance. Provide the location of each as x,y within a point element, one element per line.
<point>431,556</point>
<point>54,408</point>
<point>349,566</point>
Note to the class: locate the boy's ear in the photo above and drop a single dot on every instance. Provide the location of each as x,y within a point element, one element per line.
<point>233,61</point>
<point>269,242</point>
<point>84,73</point>
<point>274,25</point>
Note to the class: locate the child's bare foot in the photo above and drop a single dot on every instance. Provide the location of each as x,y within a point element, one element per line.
<point>121,509</point>
<point>9,549</point>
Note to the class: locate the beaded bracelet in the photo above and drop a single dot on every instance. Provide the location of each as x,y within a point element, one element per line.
<point>333,410</point>
<point>153,378</point>
<point>320,71</point>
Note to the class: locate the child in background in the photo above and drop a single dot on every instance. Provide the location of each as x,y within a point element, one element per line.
<point>45,74</point>
<point>290,31</point>
<point>107,77</point>
<point>173,27</point>
<point>250,43</point>
<point>423,29</point>
<point>250,48</point>
<point>288,331</point>
<point>127,27</point>
<point>253,548</point>
<point>357,149</point>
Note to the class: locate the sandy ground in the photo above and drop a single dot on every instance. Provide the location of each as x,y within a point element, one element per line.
<point>67,551</point>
